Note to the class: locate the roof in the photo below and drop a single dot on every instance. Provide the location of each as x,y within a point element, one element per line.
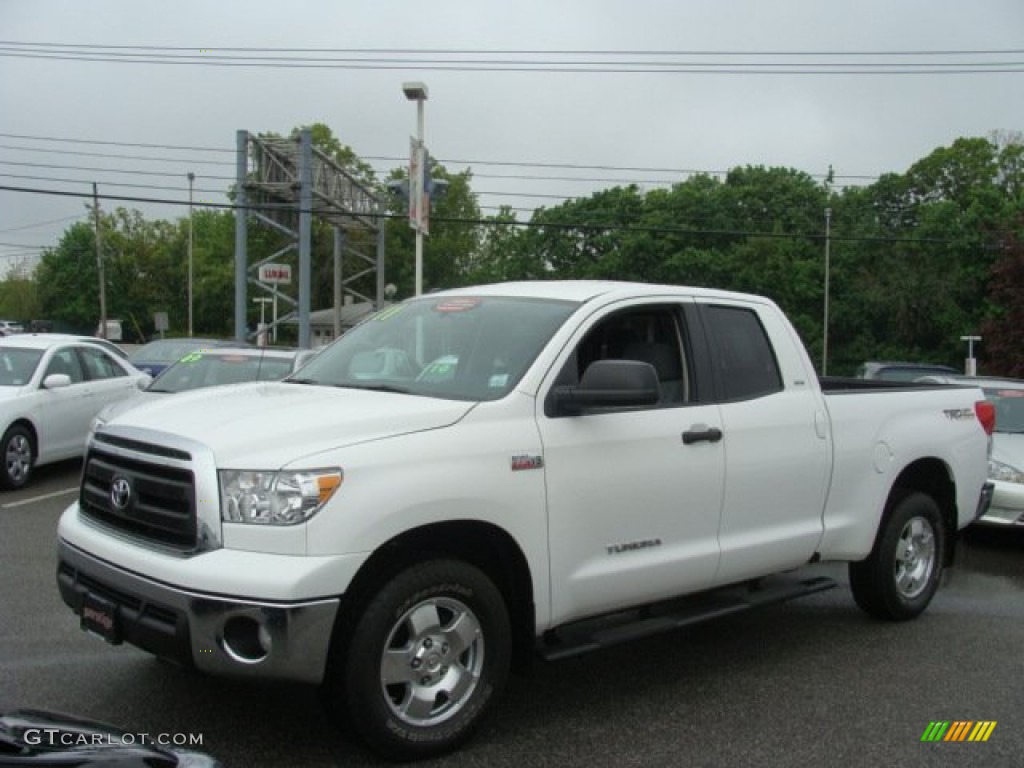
<point>586,290</point>
<point>40,340</point>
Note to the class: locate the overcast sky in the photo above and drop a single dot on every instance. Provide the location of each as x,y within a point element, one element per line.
<point>63,117</point>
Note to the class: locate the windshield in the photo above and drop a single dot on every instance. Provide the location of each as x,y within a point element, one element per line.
<point>18,365</point>
<point>167,350</point>
<point>1009,405</point>
<point>209,369</point>
<point>463,348</point>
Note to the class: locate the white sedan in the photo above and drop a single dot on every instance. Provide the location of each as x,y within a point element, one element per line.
<point>50,389</point>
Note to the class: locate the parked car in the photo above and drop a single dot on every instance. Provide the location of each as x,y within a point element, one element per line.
<point>902,371</point>
<point>107,345</point>
<point>1006,464</point>
<point>9,327</point>
<point>214,367</point>
<point>153,357</point>
<point>50,389</point>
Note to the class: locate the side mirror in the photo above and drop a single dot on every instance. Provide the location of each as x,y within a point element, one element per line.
<point>610,384</point>
<point>56,381</point>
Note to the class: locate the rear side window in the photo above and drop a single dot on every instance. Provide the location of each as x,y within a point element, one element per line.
<point>745,362</point>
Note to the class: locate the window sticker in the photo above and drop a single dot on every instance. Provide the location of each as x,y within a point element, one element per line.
<point>457,305</point>
<point>386,314</point>
<point>192,357</point>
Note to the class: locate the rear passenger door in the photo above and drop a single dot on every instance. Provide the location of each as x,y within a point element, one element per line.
<point>777,456</point>
<point>633,507</point>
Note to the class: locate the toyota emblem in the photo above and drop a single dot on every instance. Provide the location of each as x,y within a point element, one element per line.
<point>120,493</point>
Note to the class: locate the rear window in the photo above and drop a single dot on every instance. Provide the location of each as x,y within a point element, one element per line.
<point>746,361</point>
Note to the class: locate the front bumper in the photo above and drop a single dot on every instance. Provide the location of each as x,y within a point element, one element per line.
<point>1007,507</point>
<point>213,633</point>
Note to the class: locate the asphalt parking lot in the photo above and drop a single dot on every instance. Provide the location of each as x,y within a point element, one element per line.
<point>811,683</point>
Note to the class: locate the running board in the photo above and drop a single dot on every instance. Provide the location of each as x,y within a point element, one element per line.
<point>593,634</point>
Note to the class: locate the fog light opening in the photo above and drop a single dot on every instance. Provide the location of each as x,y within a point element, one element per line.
<point>246,640</point>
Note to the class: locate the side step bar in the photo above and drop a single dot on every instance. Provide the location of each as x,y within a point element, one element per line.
<point>593,634</point>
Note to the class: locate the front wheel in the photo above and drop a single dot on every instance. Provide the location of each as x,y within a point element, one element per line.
<point>901,575</point>
<point>425,658</point>
<point>18,456</point>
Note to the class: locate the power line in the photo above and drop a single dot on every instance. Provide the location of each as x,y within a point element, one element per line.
<point>542,52</point>
<point>402,160</point>
<point>569,61</point>
<point>581,226</point>
<point>40,224</point>
<point>691,69</point>
<point>116,143</point>
<point>111,155</point>
<point>104,182</point>
<point>165,174</point>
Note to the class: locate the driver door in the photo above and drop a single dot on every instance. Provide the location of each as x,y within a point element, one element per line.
<point>633,509</point>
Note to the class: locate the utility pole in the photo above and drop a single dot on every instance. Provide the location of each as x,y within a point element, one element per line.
<point>824,342</point>
<point>191,178</point>
<point>99,262</point>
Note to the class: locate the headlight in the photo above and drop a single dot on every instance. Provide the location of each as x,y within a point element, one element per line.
<point>275,498</point>
<point>1004,472</point>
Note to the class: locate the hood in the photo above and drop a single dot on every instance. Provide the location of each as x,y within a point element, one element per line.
<point>271,424</point>
<point>10,393</point>
<point>115,409</point>
<point>1008,448</point>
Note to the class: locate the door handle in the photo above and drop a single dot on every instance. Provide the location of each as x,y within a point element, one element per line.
<point>702,434</point>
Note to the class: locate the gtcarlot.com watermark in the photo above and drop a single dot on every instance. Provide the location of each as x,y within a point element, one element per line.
<point>55,737</point>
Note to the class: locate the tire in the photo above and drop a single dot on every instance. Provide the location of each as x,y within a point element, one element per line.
<point>18,458</point>
<point>899,578</point>
<point>425,658</point>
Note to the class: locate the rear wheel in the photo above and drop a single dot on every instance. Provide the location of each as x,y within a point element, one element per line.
<point>899,578</point>
<point>425,658</point>
<point>18,457</point>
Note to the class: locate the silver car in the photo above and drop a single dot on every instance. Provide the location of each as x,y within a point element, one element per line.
<point>1006,465</point>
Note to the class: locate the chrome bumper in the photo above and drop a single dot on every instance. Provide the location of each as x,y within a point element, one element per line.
<point>213,633</point>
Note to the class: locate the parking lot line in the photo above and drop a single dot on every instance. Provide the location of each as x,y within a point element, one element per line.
<point>34,499</point>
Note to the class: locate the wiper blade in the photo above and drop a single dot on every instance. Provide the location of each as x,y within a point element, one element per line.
<point>301,381</point>
<point>377,388</point>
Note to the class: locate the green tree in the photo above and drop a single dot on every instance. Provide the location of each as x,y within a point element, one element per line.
<point>67,280</point>
<point>19,299</point>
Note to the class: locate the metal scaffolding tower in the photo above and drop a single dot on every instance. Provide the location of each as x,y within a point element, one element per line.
<point>284,184</point>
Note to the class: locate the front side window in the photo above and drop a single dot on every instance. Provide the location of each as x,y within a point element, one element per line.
<point>65,361</point>
<point>651,334</point>
<point>457,347</point>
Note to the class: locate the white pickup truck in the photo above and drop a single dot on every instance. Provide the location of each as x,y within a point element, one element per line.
<point>473,476</point>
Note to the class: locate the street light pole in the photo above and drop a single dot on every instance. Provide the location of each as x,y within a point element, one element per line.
<point>971,366</point>
<point>191,179</point>
<point>418,92</point>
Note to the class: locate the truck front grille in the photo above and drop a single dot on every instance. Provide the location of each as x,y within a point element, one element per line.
<point>143,497</point>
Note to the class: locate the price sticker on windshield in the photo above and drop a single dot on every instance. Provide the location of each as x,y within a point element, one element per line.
<point>457,305</point>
